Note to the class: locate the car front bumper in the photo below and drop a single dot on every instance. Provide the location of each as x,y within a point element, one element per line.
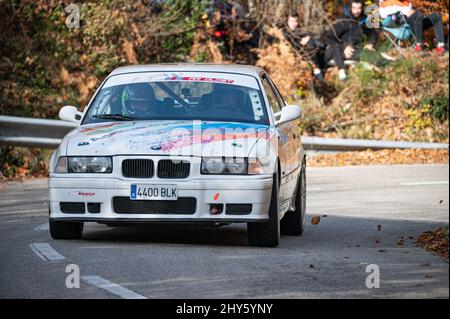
<point>254,190</point>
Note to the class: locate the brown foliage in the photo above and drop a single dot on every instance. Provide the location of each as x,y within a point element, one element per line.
<point>435,241</point>
<point>286,68</point>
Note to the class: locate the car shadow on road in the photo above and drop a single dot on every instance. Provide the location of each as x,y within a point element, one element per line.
<point>188,234</point>
<point>332,232</point>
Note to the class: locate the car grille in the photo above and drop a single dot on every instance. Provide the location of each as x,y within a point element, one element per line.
<point>138,168</point>
<point>173,169</point>
<point>181,206</point>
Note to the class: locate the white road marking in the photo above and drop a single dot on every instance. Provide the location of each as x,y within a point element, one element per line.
<point>42,227</point>
<point>425,183</point>
<point>46,252</point>
<point>22,202</point>
<point>15,212</point>
<point>5,221</point>
<point>24,218</point>
<point>111,287</point>
<point>313,189</point>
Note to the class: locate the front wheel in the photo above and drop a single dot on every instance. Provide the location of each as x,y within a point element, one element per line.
<point>66,230</point>
<point>293,223</point>
<point>267,234</point>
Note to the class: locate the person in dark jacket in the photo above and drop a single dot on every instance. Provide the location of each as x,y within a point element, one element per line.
<point>303,42</point>
<point>346,36</point>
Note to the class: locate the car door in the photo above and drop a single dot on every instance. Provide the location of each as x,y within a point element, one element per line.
<point>283,135</point>
<point>293,150</point>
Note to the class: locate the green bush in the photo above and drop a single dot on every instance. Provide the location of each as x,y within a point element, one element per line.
<point>438,106</point>
<point>370,83</point>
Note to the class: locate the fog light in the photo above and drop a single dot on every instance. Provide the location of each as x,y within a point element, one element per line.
<point>216,209</point>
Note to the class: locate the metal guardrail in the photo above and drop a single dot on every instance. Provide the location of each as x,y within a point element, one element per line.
<point>30,132</point>
<point>23,131</point>
<point>342,144</point>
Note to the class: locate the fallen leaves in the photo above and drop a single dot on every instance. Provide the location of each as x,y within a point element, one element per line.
<point>396,156</point>
<point>378,236</point>
<point>435,241</point>
<point>315,220</point>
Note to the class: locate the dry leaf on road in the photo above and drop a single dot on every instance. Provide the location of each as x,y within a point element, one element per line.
<point>315,220</point>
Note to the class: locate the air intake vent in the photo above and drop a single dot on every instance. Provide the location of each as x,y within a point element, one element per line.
<point>173,169</point>
<point>238,209</point>
<point>181,206</point>
<point>72,207</point>
<point>138,168</point>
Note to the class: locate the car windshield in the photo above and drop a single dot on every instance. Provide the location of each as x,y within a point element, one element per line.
<point>179,96</point>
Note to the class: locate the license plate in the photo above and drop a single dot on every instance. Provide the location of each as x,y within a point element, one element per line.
<point>153,192</point>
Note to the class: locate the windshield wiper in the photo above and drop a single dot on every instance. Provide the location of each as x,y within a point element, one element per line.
<point>116,117</point>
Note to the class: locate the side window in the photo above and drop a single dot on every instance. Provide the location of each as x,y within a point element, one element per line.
<point>277,92</point>
<point>271,96</point>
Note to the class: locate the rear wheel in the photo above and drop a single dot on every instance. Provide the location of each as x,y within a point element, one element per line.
<point>267,234</point>
<point>293,223</point>
<point>66,230</point>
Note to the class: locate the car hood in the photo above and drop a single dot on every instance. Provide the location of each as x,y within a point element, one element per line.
<point>181,138</point>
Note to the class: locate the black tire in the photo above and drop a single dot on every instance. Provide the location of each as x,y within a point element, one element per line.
<point>66,230</point>
<point>267,234</point>
<point>293,223</point>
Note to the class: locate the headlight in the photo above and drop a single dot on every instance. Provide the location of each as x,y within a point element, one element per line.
<point>224,166</point>
<point>91,164</point>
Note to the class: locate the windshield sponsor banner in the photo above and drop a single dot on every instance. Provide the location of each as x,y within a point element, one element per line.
<point>218,78</point>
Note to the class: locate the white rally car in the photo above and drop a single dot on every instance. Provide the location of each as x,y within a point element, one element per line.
<point>182,143</point>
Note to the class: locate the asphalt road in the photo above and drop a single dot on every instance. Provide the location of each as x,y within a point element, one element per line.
<point>178,261</point>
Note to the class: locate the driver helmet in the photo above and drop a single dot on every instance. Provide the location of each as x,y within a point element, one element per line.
<point>139,100</point>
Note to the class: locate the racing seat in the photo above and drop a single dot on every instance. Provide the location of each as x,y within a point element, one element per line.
<point>206,101</point>
<point>224,97</point>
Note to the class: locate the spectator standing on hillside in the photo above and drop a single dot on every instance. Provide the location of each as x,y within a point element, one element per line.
<point>346,36</point>
<point>217,11</point>
<point>302,42</point>
<point>417,20</point>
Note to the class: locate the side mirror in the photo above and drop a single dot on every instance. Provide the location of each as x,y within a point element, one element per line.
<point>288,113</point>
<point>70,113</point>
